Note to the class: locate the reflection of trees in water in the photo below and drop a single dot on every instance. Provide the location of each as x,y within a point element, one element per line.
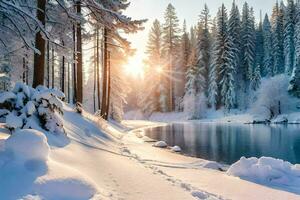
<point>228,142</point>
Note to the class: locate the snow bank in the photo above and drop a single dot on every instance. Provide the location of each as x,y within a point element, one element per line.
<point>28,145</point>
<point>266,170</point>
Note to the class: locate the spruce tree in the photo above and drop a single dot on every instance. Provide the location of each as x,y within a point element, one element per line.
<point>213,76</point>
<point>248,53</point>
<point>278,38</point>
<point>234,30</point>
<point>223,59</point>
<point>259,47</point>
<point>289,29</point>
<point>203,47</point>
<point>170,47</point>
<point>150,98</point>
<point>268,62</point>
<point>294,87</point>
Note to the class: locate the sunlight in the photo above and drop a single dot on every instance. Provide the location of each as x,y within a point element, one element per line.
<point>134,68</point>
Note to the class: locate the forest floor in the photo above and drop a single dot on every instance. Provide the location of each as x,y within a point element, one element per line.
<point>103,160</point>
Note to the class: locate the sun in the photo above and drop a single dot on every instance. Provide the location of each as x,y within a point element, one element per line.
<point>134,68</point>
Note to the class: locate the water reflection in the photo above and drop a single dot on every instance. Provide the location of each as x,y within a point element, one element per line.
<point>226,143</point>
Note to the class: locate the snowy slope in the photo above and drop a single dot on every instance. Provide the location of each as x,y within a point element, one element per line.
<point>114,164</point>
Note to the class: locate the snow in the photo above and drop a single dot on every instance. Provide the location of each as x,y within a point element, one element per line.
<point>160,144</point>
<point>268,171</point>
<point>30,108</point>
<point>28,145</point>
<point>4,96</point>
<point>13,121</point>
<point>176,149</point>
<point>99,160</point>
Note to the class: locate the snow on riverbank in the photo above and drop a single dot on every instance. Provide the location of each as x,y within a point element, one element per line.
<point>268,171</point>
<point>103,161</point>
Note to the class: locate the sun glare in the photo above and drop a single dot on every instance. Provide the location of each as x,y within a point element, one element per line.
<point>134,68</point>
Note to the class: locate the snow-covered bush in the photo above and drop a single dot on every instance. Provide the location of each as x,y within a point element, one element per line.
<point>195,106</point>
<point>28,108</point>
<point>272,98</point>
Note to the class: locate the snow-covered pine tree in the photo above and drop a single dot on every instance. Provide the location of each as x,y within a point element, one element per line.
<point>268,62</point>
<point>248,53</point>
<point>223,59</point>
<point>227,74</point>
<point>259,47</point>
<point>234,30</point>
<point>294,87</point>
<point>203,47</point>
<point>182,68</point>
<point>212,84</point>
<point>171,39</point>
<point>289,29</point>
<point>278,38</point>
<point>150,99</point>
<point>256,79</point>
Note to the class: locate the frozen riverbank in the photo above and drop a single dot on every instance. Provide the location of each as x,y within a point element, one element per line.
<point>101,160</point>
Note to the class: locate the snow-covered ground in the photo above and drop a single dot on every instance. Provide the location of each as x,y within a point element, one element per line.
<point>101,160</point>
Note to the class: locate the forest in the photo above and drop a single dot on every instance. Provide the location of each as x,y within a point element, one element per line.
<point>222,61</point>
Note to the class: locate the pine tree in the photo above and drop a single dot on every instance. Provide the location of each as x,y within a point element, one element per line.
<point>170,46</point>
<point>212,85</point>
<point>294,87</point>
<point>268,62</point>
<point>203,47</point>
<point>182,68</point>
<point>234,30</point>
<point>259,48</point>
<point>248,42</point>
<point>150,99</point>
<point>278,38</point>
<point>224,61</point>
<point>289,29</point>
<point>248,54</point>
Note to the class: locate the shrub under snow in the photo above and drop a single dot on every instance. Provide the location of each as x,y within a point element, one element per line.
<point>273,98</point>
<point>28,145</point>
<point>28,108</point>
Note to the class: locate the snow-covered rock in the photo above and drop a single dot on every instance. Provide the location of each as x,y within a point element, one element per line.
<point>266,170</point>
<point>160,144</point>
<point>28,144</point>
<point>176,149</point>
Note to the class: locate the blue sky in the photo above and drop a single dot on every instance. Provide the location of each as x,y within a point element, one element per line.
<point>186,9</point>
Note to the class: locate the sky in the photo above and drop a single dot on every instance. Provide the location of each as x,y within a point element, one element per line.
<point>185,9</point>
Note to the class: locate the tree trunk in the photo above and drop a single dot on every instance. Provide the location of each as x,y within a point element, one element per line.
<point>104,83</point>
<point>79,56</point>
<point>63,72</point>
<point>69,95</point>
<point>48,64</point>
<point>39,59</point>
<point>74,66</point>
<point>24,70</point>
<point>98,70</point>
<point>52,63</point>
<point>109,86</point>
<point>95,70</point>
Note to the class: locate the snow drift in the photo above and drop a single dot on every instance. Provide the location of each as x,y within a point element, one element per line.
<point>267,171</point>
